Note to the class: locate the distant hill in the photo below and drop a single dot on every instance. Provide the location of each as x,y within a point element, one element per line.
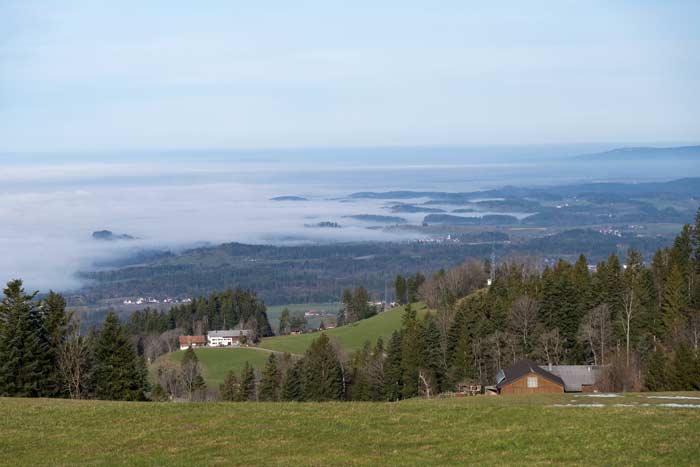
<point>108,235</point>
<point>645,153</point>
<point>377,218</point>
<point>288,198</point>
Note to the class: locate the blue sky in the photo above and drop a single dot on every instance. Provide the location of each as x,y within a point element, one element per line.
<point>86,75</point>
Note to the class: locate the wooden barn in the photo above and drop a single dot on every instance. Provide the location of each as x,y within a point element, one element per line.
<point>526,377</point>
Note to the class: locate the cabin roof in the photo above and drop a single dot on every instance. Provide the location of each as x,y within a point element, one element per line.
<point>522,368</point>
<point>575,376</point>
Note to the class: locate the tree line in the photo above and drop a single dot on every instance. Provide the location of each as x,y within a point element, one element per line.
<point>42,353</point>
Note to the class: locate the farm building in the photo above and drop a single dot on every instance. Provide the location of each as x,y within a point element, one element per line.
<point>192,341</point>
<point>526,377</point>
<point>577,378</point>
<point>227,338</point>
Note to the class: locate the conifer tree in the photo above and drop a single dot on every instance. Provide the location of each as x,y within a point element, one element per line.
<point>246,388</point>
<point>57,326</point>
<point>270,381</point>
<point>118,374</point>
<point>656,377</point>
<point>410,353</point>
<point>323,376</point>
<point>229,388</point>
<point>430,356</point>
<point>674,302</point>
<point>24,354</point>
<point>292,389</point>
<point>393,375</point>
<point>401,291</point>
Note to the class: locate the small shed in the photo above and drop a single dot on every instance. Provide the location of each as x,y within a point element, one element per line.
<point>526,377</point>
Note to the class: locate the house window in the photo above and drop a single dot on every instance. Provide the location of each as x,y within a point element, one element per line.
<point>532,381</point>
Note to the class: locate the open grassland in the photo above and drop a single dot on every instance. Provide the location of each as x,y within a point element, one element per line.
<point>217,362</point>
<point>350,337</point>
<point>513,430</point>
<point>274,312</point>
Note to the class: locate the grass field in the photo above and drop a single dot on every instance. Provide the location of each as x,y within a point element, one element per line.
<point>350,337</point>
<point>274,312</point>
<point>512,430</point>
<point>217,362</point>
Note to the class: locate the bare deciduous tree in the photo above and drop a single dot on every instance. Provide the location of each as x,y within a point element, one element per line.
<point>523,317</point>
<point>72,360</point>
<point>596,331</point>
<point>551,346</point>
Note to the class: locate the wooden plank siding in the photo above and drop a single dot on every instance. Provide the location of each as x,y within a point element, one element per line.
<point>544,386</point>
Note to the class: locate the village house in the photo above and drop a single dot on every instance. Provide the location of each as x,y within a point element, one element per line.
<point>192,341</point>
<point>526,377</point>
<point>227,338</point>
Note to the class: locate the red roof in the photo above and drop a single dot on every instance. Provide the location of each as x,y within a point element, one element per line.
<point>192,340</point>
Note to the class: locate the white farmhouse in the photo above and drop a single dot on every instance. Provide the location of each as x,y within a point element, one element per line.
<point>226,338</point>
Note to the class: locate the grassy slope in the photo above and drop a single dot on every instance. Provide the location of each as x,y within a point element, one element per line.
<point>217,362</point>
<point>351,337</point>
<point>485,431</point>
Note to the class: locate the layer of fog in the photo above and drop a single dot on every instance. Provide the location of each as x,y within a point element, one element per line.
<point>49,210</point>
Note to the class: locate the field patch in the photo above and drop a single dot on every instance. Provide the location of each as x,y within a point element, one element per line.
<point>350,337</point>
<point>515,430</point>
<point>217,362</point>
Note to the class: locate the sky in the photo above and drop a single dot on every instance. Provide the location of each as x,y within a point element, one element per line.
<point>96,75</point>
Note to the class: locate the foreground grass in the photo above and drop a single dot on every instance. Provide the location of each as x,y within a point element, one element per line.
<point>483,430</point>
<point>217,362</point>
<point>350,337</point>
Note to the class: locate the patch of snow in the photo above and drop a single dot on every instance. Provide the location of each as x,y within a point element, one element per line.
<point>600,395</point>
<point>679,406</point>
<point>578,405</point>
<point>673,397</point>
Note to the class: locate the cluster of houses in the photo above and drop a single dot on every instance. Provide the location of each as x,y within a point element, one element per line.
<point>146,300</point>
<point>225,338</point>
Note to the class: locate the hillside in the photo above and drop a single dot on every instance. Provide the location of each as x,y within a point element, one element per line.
<point>350,337</point>
<point>216,363</point>
<point>645,154</point>
<point>478,431</point>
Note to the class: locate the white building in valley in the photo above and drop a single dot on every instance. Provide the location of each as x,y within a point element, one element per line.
<point>231,337</point>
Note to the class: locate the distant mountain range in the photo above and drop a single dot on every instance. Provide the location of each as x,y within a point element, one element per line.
<point>645,153</point>
<point>109,236</point>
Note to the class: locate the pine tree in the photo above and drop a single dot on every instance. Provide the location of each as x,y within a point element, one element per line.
<point>431,366</point>
<point>24,353</point>
<point>284,323</point>
<point>401,291</point>
<point>229,388</point>
<point>323,376</point>
<point>674,302</point>
<point>683,368</point>
<point>292,389</point>
<point>656,377</point>
<point>393,376</point>
<point>246,389</point>
<point>270,381</point>
<point>410,353</point>
<point>118,374</point>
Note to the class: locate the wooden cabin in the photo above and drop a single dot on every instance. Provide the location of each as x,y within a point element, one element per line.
<point>526,377</point>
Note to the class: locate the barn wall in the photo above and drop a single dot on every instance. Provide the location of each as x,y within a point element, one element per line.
<point>544,386</point>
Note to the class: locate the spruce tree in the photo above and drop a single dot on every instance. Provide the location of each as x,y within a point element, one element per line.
<point>323,376</point>
<point>410,353</point>
<point>292,389</point>
<point>229,388</point>
<point>393,376</point>
<point>24,353</point>
<point>431,355</point>
<point>246,388</point>
<point>401,291</point>
<point>57,326</point>
<point>270,381</point>
<point>674,302</point>
<point>656,377</point>
<point>118,374</point>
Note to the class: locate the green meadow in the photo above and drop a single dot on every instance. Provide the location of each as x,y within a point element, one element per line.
<point>520,430</point>
<point>217,362</point>
<point>350,337</point>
